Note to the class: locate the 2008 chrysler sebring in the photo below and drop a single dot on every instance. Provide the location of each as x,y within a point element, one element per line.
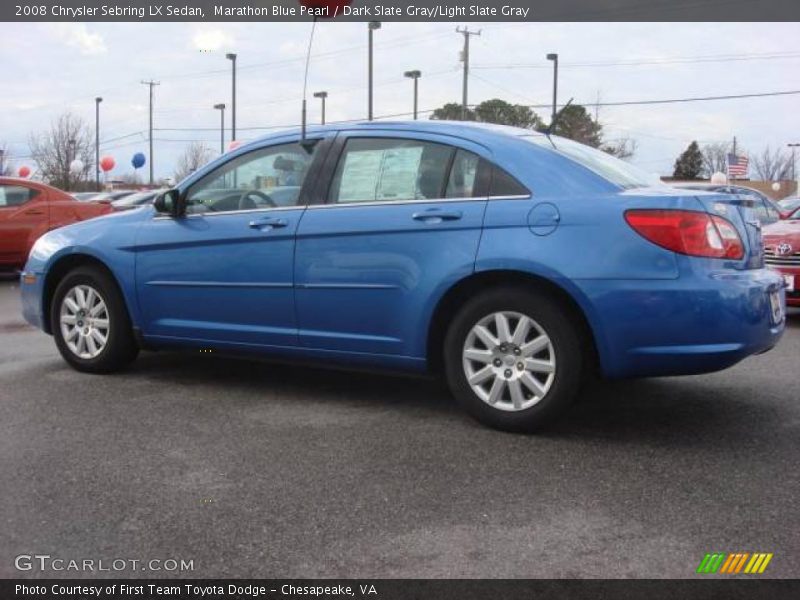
<point>512,262</point>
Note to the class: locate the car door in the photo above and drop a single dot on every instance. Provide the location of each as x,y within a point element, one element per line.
<point>400,218</point>
<point>224,271</point>
<point>23,218</point>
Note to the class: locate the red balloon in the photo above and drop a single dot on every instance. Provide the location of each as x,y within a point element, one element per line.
<point>334,6</point>
<point>24,172</point>
<point>107,163</point>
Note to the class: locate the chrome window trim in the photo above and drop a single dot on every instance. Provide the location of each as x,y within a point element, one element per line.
<point>424,201</point>
<point>160,217</point>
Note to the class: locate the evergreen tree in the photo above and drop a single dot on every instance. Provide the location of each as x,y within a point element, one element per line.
<point>690,163</point>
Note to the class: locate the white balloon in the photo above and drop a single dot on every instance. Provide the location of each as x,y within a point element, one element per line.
<point>776,186</point>
<point>719,178</point>
<point>76,166</point>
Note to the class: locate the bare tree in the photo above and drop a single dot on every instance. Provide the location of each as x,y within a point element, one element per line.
<point>53,151</point>
<point>772,165</point>
<point>195,156</point>
<point>715,158</point>
<point>622,148</point>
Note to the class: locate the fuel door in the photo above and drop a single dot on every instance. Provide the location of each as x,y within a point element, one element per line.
<point>543,219</point>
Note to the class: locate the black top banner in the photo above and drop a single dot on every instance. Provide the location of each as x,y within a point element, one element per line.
<point>456,11</point>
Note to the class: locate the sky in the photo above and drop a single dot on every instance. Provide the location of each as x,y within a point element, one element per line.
<point>49,68</point>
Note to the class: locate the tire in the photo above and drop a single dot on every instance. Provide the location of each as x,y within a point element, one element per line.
<point>522,384</point>
<point>91,355</point>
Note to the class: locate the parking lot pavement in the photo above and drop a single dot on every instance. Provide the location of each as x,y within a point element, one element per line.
<point>254,469</point>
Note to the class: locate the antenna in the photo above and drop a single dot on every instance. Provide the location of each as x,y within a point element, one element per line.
<point>553,124</point>
<point>305,82</point>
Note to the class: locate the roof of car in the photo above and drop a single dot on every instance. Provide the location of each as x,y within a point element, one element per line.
<point>33,184</point>
<point>469,129</point>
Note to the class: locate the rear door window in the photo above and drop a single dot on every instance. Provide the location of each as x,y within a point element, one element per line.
<point>390,170</point>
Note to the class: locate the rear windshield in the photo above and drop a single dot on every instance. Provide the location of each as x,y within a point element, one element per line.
<point>608,167</point>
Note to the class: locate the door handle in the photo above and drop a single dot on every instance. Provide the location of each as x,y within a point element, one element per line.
<point>33,211</point>
<point>268,223</point>
<point>436,216</point>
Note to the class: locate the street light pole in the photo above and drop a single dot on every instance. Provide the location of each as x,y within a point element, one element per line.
<point>232,57</point>
<point>554,58</point>
<point>151,84</point>
<point>371,26</point>
<point>793,146</point>
<point>415,75</point>
<point>322,95</point>
<point>221,108</point>
<point>97,102</point>
<point>70,157</point>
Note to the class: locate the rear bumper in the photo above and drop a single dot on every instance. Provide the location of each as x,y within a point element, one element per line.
<point>696,324</point>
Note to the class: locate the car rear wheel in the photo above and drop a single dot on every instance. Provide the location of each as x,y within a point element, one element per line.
<point>513,358</point>
<point>90,322</point>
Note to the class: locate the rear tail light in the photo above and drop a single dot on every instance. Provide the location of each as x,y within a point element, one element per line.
<point>688,232</point>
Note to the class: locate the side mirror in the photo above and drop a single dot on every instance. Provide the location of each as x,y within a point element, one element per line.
<point>169,203</point>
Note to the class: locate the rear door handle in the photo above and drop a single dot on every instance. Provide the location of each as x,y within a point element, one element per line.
<point>33,211</point>
<point>268,223</point>
<point>436,216</point>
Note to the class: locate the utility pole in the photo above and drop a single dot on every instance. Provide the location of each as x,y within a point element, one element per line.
<point>2,164</point>
<point>554,58</point>
<point>151,84</point>
<point>322,95</point>
<point>97,102</point>
<point>221,108</point>
<point>70,157</point>
<point>371,26</point>
<point>597,107</point>
<point>793,146</point>
<point>415,75</point>
<point>465,59</point>
<point>232,57</point>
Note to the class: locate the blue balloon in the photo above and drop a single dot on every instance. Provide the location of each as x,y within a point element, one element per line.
<point>138,160</point>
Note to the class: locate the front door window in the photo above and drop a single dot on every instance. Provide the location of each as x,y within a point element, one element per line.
<point>266,178</point>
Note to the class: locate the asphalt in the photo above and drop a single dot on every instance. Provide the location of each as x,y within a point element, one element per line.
<point>259,470</point>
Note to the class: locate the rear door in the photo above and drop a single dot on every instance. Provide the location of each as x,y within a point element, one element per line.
<point>400,218</point>
<point>23,218</point>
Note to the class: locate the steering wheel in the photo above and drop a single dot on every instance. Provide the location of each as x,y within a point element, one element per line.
<point>246,202</point>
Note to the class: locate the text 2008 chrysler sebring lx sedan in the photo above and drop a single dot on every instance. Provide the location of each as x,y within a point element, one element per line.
<point>511,262</point>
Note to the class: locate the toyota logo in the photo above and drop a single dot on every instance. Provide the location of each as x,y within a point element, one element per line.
<point>783,249</point>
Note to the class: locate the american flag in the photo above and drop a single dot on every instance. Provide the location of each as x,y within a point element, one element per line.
<point>737,166</point>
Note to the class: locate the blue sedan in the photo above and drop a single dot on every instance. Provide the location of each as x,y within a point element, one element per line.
<point>514,264</point>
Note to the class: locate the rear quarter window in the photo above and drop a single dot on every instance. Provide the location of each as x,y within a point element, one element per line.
<point>15,195</point>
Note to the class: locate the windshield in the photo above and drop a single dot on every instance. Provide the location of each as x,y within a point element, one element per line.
<point>609,167</point>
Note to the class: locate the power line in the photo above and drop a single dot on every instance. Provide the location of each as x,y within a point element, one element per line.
<point>680,100</point>
<point>647,61</point>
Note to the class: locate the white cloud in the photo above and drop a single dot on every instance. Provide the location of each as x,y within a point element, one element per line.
<point>209,40</point>
<point>77,35</point>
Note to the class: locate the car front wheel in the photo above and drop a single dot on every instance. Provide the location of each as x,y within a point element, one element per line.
<point>90,322</point>
<point>513,359</point>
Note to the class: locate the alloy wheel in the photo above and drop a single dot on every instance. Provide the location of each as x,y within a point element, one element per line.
<point>509,361</point>
<point>84,321</point>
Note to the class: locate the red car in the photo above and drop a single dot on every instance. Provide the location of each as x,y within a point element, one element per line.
<point>28,210</point>
<point>782,252</point>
